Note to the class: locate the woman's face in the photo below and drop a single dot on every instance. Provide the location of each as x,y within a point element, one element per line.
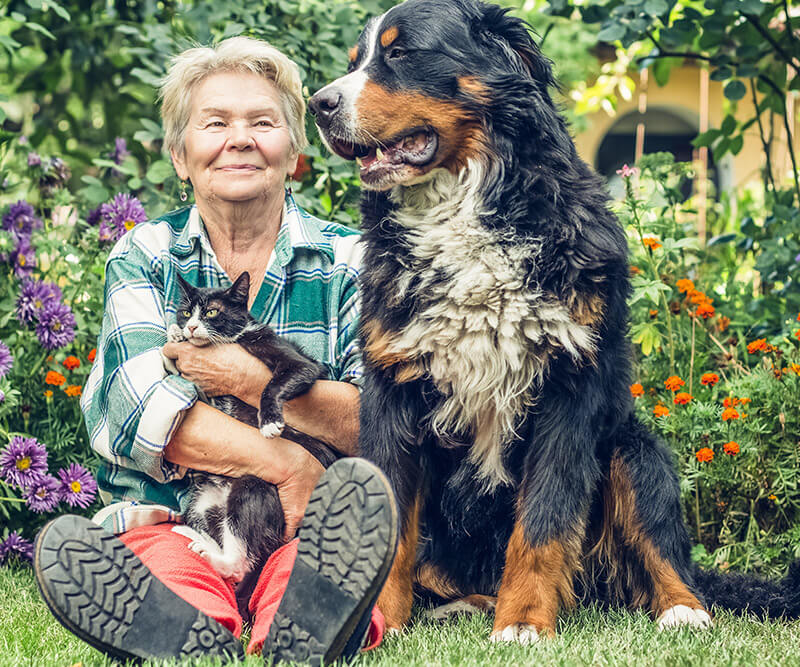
<point>237,145</point>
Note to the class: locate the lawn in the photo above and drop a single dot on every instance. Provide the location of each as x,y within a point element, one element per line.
<point>29,636</point>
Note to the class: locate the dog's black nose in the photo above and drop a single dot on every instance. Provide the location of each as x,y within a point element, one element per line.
<point>325,105</point>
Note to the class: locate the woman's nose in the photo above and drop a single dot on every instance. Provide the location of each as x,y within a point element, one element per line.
<point>241,136</point>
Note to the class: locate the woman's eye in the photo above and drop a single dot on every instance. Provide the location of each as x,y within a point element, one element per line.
<point>186,313</point>
<point>264,123</point>
<point>216,123</point>
<point>213,312</point>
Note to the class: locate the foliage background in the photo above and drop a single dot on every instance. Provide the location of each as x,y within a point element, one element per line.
<point>75,75</point>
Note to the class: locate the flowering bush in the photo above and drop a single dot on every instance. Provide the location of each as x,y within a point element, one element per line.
<point>732,391</point>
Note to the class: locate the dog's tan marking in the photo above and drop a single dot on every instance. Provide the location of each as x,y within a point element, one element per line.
<point>666,588</point>
<point>389,35</point>
<point>587,309</point>
<point>475,88</point>
<point>398,592</point>
<point>384,115</point>
<point>409,372</point>
<point>431,578</point>
<point>352,54</point>
<point>378,344</point>
<point>536,581</point>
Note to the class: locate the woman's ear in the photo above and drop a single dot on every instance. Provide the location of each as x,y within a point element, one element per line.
<point>292,165</point>
<point>179,163</point>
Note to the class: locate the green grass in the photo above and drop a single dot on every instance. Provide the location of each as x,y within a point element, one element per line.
<point>29,636</point>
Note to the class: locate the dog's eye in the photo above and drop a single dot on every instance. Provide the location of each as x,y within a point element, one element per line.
<point>212,312</point>
<point>395,53</point>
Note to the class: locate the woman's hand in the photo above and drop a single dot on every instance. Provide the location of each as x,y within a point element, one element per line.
<point>218,370</point>
<point>303,473</point>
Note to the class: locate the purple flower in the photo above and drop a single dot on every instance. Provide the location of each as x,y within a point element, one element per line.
<point>2,396</point>
<point>55,175</point>
<point>24,461</point>
<point>122,214</point>
<point>24,258</point>
<point>15,546</point>
<point>6,359</point>
<point>77,485</point>
<point>56,327</point>
<point>120,151</point>
<point>34,160</point>
<point>21,219</point>
<point>43,495</point>
<point>34,296</point>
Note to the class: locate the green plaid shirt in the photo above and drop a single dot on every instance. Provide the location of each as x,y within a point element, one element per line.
<point>132,407</point>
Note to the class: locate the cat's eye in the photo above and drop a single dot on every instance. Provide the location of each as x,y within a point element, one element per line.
<point>213,312</point>
<point>186,313</point>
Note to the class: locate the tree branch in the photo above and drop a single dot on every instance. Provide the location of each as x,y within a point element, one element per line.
<point>766,35</point>
<point>768,180</point>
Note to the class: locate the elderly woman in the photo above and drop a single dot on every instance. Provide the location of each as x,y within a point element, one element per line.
<point>234,126</point>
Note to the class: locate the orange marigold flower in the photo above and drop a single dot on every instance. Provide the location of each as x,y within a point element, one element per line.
<point>705,310</point>
<point>635,270</point>
<point>92,355</point>
<point>49,358</point>
<point>661,411</point>
<point>54,378</point>
<point>684,285</point>
<point>673,383</point>
<point>730,413</point>
<point>795,367</point>
<point>698,297</point>
<point>637,390</point>
<point>730,401</point>
<point>772,497</point>
<point>682,398</point>
<point>756,345</point>
<point>723,322</point>
<point>651,242</point>
<point>71,363</point>
<point>798,317</point>
<point>73,390</point>
<point>48,393</point>
<point>709,379</point>
<point>797,334</point>
<point>743,401</point>
<point>704,455</point>
<point>731,448</point>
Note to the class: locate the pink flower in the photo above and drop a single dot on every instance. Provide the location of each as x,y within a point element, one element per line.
<point>628,172</point>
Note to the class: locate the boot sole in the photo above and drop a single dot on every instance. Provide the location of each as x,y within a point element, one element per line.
<point>348,539</point>
<point>99,590</point>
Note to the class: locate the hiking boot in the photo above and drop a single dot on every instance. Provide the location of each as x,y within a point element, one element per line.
<point>348,539</point>
<point>99,590</point>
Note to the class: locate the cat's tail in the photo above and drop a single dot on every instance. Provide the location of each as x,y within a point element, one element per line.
<point>752,594</point>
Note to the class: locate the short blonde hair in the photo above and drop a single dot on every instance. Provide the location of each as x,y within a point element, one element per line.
<point>242,54</point>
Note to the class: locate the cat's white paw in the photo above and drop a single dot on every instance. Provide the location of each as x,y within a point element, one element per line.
<point>681,616</point>
<point>272,429</point>
<point>169,365</point>
<point>519,633</point>
<point>175,334</point>
<point>200,548</point>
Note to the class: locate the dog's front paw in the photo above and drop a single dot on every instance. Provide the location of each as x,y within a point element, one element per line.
<point>519,633</point>
<point>681,616</point>
<point>272,429</point>
<point>175,334</point>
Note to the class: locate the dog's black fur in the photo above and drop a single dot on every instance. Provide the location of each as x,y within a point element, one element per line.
<point>585,475</point>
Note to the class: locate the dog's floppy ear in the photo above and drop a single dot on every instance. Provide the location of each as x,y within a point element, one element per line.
<point>512,33</point>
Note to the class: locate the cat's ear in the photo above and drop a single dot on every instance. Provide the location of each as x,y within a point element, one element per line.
<point>240,290</point>
<point>186,288</point>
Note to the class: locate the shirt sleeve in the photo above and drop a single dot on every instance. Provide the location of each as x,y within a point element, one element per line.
<point>131,406</point>
<point>348,344</point>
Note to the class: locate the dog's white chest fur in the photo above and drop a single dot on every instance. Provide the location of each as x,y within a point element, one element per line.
<point>483,331</point>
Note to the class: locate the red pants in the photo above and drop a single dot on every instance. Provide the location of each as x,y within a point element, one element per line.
<point>190,577</point>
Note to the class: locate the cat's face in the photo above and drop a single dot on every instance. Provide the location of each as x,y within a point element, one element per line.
<point>209,315</point>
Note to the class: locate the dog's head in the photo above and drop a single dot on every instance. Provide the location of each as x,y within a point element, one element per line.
<point>427,86</point>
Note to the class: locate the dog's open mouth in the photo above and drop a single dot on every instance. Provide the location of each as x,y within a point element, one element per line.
<point>415,148</point>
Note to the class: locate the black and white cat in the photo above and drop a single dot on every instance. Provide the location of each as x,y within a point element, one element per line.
<point>236,523</point>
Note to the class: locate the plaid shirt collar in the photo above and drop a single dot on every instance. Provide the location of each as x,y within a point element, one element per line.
<point>295,233</point>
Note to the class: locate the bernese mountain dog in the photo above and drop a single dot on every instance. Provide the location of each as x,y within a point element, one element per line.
<point>494,317</point>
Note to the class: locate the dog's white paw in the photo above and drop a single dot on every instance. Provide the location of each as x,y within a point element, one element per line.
<point>682,616</point>
<point>272,429</point>
<point>519,633</point>
<point>175,334</point>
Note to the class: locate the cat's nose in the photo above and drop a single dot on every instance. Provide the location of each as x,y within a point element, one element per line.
<point>191,328</point>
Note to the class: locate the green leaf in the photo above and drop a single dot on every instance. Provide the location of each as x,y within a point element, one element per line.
<point>734,90</point>
<point>728,125</point>
<point>655,7</point>
<point>753,7</point>
<point>40,28</point>
<point>611,32</point>
<point>736,144</point>
<point>647,336</point>
<point>721,74</point>
<point>159,171</point>
<point>722,239</point>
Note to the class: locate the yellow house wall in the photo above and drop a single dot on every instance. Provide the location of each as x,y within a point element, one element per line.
<point>682,96</point>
